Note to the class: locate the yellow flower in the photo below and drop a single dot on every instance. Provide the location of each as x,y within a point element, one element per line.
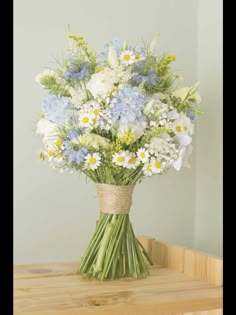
<point>58,143</point>
<point>84,45</point>
<point>42,156</point>
<point>127,138</point>
<point>50,152</point>
<point>99,69</point>
<point>171,57</point>
<point>116,147</point>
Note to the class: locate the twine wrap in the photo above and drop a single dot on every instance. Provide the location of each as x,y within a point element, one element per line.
<point>114,199</point>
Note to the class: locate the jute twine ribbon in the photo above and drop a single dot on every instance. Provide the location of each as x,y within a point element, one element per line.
<point>114,199</point>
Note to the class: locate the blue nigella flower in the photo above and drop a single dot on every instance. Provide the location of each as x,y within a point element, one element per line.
<point>74,156</point>
<point>56,108</point>
<point>127,106</point>
<point>149,78</point>
<point>77,71</point>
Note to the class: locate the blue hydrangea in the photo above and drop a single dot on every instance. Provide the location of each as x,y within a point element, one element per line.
<point>127,106</point>
<point>57,108</point>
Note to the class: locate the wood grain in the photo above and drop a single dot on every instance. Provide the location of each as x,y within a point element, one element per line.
<point>55,289</point>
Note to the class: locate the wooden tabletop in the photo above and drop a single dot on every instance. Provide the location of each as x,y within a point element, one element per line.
<point>55,289</point>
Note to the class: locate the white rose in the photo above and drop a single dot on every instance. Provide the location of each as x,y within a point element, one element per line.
<point>48,130</point>
<point>101,83</point>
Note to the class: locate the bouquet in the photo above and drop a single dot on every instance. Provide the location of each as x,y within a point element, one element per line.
<point>118,116</point>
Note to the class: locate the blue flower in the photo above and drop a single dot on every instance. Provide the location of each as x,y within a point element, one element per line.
<point>116,44</point>
<point>56,108</point>
<point>127,106</point>
<point>148,78</point>
<point>73,134</point>
<point>74,156</point>
<point>77,72</point>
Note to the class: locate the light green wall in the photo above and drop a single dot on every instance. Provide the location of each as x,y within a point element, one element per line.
<point>55,214</point>
<point>208,215</point>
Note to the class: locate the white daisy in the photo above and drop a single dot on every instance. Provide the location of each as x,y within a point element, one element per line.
<point>156,165</point>
<point>92,161</point>
<point>127,57</point>
<point>133,161</point>
<point>120,158</point>
<point>138,57</point>
<point>143,155</point>
<point>96,110</point>
<point>182,125</point>
<point>86,119</point>
<point>147,169</point>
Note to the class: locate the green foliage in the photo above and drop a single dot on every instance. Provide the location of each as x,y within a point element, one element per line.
<point>51,84</point>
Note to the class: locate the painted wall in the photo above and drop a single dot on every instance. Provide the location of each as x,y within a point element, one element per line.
<point>208,209</point>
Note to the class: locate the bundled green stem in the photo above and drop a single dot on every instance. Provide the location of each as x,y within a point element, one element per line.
<point>114,251</point>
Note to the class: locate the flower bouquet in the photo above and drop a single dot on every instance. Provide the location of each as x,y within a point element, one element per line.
<point>118,117</point>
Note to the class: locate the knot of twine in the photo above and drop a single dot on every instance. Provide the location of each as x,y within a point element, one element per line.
<point>114,199</point>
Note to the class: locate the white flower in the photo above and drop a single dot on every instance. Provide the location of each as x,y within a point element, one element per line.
<point>136,128</point>
<point>156,165</point>
<point>183,140</point>
<point>120,158</point>
<point>143,155</point>
<point>101,83</point>
<point>132,162</point>
<point>182,125</point>
<point>92,161</point>
<point>78,96</point>
<point>86,119</point>
<point>112,57</point>
<point>127,57</point>
<point>184,154</point>
<point>155,107</point>
<point>153,44</point>
<point>45,127</point>
<point>147,169</point>
<point>49,131</point>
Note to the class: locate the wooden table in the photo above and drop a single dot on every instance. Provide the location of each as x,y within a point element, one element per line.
<point>181,282</point>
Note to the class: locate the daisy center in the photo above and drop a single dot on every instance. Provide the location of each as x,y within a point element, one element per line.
<point>58,143</point>
<point>120,159</point>
<point>148,168</point>
<point>50,153</point>
<point>178,128</point>
<point>85,120</point>
<point>132,160</point>
<point>126,57</point>
<point>137,57</point>
<point>157,164</point>
<point>142,155</point>
<point>96,111</point>
<point>92,160</point>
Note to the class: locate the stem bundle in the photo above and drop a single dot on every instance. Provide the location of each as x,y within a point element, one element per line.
<point>114,251</point>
